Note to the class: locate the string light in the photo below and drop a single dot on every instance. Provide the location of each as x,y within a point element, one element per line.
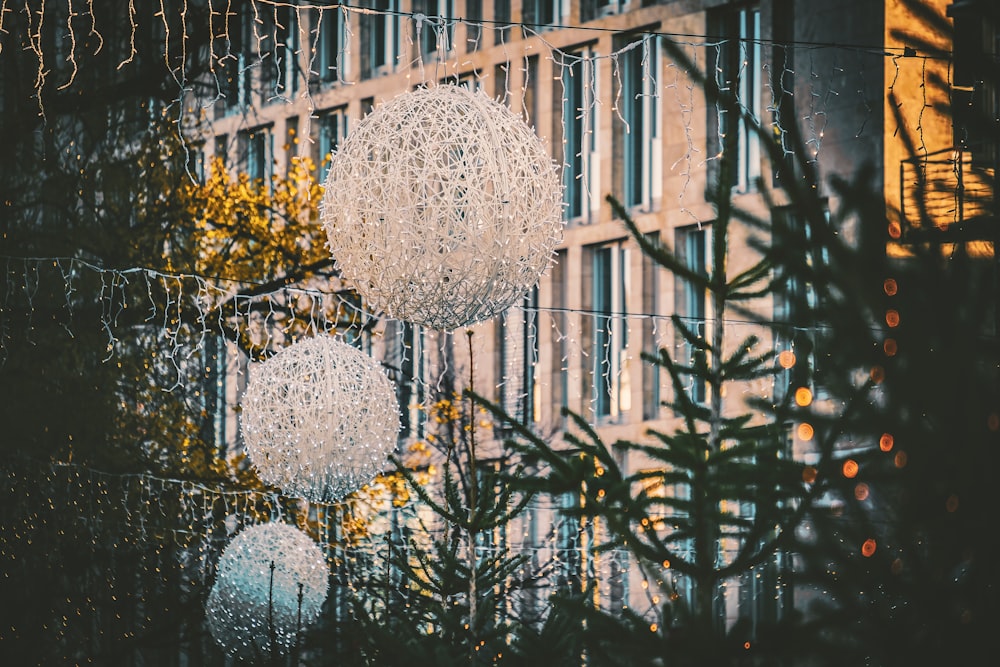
<point>319,419</point>
<point>442,207</point>
<point>272,581</point>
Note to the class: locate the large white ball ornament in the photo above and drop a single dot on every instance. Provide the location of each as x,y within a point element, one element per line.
<point>319,419</point>
<point>254,611</point>
<point>442,207</point>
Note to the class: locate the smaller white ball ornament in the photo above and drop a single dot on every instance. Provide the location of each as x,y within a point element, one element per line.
<point>319,419</point>
<point>254,608</point>
<point>442,207</point>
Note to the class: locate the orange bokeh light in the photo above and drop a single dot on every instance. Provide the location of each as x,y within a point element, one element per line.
<point>786,359</point>
<point>886,442</point>
<point>850,468</point>
<point>803,396</point>
<point>892,317</point>
<point>895,230</point>
<point>952,503</point>
<point>861,491</point>
<point>809,474</point>
<point>890,287</point>
<point>900,459</point>
<point>877,374</point>
<point>868,548</point>
<point>890,347</point>
<point>993,422</point>
<point>805,431</point>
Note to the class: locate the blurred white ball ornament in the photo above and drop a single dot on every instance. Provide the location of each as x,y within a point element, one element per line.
<point>254,607</point>
<point>319,419</point>
<point>443,207</point>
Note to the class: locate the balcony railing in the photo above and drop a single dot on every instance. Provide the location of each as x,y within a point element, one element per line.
<point>945,187</point>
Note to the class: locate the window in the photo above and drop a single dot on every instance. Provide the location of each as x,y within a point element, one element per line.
<point>473,27</point>
<point>577,87</point>
<point>651,276</point>
<point>609,370</point>
<point>235,58</point>
<point>560,345</point>
<point>517,358</point>
<point>195,162</point>
<point>436,33</point>
<point>638,153</point>
<point>379,38</point>
<point>541,14</point>
<point>799,328</point>
<point>406,356</point>
<point>332,55</point>
<point>330,130</point>
<point>569,547</point>
<point>692,306</point>
<point>530,100</point>
<point>280,70</point>
<point>291,142</point>
<point>501,21</point>
<point>595,9</point>
<point>256,149</point>
<point>737,64</point>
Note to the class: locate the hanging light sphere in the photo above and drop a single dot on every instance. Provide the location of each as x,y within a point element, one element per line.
<point>254,607</point>
<point>443,207</point>
<point>319,419</point>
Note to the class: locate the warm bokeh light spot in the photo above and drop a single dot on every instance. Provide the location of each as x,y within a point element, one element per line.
<point>952,503</point>
<point>885,442</point>
<point>897,566</point>
<point>804,431</point>
<point>890,287</point>
<point>803,396</point>
<point>900,459</point>
<point>746,645</point>
<point>868,548</point>
<point>993,422</point>
<point>666,564</point>
<point>809,474</point>
<point>890,347</point>
<point>892,317</point>
<point>653,627</point>
<point>895,230</point>
<point>861,491</point>
<point>877,374</point>
<point>786,359</point>
<point>850,468</point>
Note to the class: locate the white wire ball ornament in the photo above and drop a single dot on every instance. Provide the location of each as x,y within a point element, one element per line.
<point>442,207</point>
<point>319,419</point>
<point>254,611</point>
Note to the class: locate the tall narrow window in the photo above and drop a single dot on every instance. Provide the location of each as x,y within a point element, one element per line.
<point>737,64</point>
<point>379,38</point>
<point>651,277</point>
<point>332,56</point>
<point>235,60</point>
<point>609,349</point>
<point>516,360</point>
<point>637,148</point>
<point>692,243</point>
<point>436,32</point>
<point>473,26</point>
<point>577,87</point>
<point>569,551</point>
<point>330,129</point>
<point>541,14</point>
<point>595,9</point>
<point>406,356</point>
<point>280,69</point>
<point>796,305</point>
<point>501,21</point>
<point>256,148</point>
<point>560,346</point>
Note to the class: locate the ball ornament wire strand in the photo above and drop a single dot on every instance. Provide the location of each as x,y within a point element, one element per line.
<point>250,612</point>
<point>319,419</point>
<point>442,207</point>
